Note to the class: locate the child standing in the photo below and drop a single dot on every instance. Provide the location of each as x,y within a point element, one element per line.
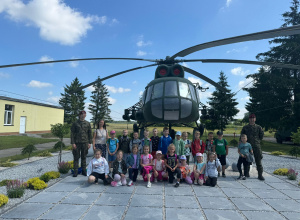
<point>179,144</point>
<point>187,147</point>
<point>112,147</point>
<point>98,168</point>
<point>137,141</point>
<point>211,170</point>
<point>209,144</point>
<point>155,142</point>
<point>164,141</point>
<point>146,141</point>
<point>124,142</point>
<point>199,169</point>
<point>133,163</point>
<point>119,170</point>
<point>146,164</point>
<point>221,148</point>
<point>185,170</point>
<point>171,162</point>
<point>244,150</point>
<point>198,145</point>
<point>159,168</point>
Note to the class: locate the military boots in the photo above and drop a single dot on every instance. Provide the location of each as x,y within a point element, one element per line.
<point>75,173</point>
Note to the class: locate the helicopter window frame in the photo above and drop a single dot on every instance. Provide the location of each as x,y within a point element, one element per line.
<point>144,96</point>
<point>192,89</point>
<point>149,93</point>
<point>156,94</point>
<point>171,86</point>
<point>187,91</point>
<point>197,95</point>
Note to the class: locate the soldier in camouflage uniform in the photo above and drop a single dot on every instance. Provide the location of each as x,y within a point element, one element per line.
<point>255,134</point>
<point>81,139</point>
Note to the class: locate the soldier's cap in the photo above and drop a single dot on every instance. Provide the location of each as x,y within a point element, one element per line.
<point>252,116</point>
<point>82,112</point>
<point>113,132</point>
<point>220,133</point>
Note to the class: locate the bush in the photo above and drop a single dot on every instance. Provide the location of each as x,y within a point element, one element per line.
<point>69,148</point>
<point>63,167</point>
<point>234,142</point>
<point>292,175</point>
<point>277,153</point>
<point>71,164</point>
<point>3,199</point>
<point>295,151</point>
<point>57,145</point>
<point>281,172</point>
<point>15,188</point>
<point>36,184</point>
<point>4,182</point>
<point>29,149</point>
<point>50,175</point>
<point>7,164</point>
<point>45,154</point>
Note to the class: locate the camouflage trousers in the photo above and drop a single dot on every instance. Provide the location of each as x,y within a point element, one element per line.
<point>258,156</point>
<point>81,150</point>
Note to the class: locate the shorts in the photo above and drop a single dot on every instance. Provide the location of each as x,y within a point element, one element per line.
<point>222,159</point>
<point>111,158</point>
<point>98,176</point>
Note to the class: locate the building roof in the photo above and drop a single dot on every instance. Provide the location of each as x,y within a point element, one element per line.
<point>29,102</point>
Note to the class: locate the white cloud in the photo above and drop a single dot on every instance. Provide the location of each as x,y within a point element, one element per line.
<point>241,113</point>
<point>134,82</point>
<point>117,90</point>
<point>4,75</point>
<point>245,98</point>
<point>228,2</point>
<point>141,93</point>
<point>46,58</point>
<point>53,99</point>
<point>204,95</point>
<point>50,93</point>
<point>239,71</point>
<point>195,80</point>
<point>114,21</point>
<point>73,64</point>
<point>185,64</point>
<point>243,83</point>
<point>90,88</point>
<point>142,43</point>
<point>244,49</point>
<point>56,21</point>
<point>111,100</point>
<point>141,53</point>
<point>38,84</point>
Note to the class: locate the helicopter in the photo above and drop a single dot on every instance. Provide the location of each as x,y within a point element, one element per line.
<point>170,98</point>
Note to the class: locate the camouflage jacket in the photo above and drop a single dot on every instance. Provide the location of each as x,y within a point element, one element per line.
<point>81,132</point>
<point>254,134</point>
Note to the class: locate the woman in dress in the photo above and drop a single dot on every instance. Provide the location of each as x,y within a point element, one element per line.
<point>100,137</point>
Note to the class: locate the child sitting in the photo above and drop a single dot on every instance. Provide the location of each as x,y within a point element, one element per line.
<point>133,163</point>
<point>244,150</point>
<point>185,170</point>
<point>199,169</point>
<point>137,141</point>
<point>112,147</point>
<point>221,148</point>
<point>179,144</point>
<point>146,164</point>
<point>159,168</point>
<point>146,141</point>
<point>198,145</point>
<point>171,162</point>
<point>211,170</point>
<point>187,147</point>
<point>119,170</point>
<point>98,168</point>
<point>155,142</point>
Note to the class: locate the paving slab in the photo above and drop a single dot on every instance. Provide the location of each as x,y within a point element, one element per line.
<point>121,189</point>
<point>222,214</point>
<point>291,215</point>
<point>206,191</point>
<point>22,211</point>
<point>187,202</point>
<point>179,191</point>
<point>238,193</point>
<point>252,215</point>
<point>292,193</point>
<point>273,179</point>
<point>113,199</point>
<point>48,197</point>
<point>215,203</point>
<point>105,212</point>
<point>66,211</point>
<point>87,187</point>
<point>230,184</point>
<point>154,190</point>
<point>81,198</point>
<point>256,185</point>
<point>270,194</point>
<point>145,213</point>
<point>284,205</point>
<point>251,204</point>
<point>147,200</point>
<point>284,186</point>
<point>62,187</point>
<point>180,214</point>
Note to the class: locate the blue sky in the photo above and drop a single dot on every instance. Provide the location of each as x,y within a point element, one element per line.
<point>36,30</point>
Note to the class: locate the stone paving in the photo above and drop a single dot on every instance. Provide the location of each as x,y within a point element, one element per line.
<point>74,198</point>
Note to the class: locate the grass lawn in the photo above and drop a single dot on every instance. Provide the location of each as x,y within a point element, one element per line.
<point>269,147</point>
<point>7,142</point>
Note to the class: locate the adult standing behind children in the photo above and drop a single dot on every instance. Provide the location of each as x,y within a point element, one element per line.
<point>81,140</point>
<point>100,137</point>
<point>124,142</point>
<point>165,141</point>
<point>155,142</point>
<point>221,148</point>
<point>255,134</point>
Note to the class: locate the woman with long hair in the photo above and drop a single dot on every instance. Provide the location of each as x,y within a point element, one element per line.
<point>100,137</point>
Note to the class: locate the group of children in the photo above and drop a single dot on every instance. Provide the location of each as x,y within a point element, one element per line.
<point>161,158</point>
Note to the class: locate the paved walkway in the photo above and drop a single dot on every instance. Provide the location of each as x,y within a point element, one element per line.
<point>74,198</point>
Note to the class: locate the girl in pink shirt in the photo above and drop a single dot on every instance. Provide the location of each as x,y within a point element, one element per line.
<point>146,164</point>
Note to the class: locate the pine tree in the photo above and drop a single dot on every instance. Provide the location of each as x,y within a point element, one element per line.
<point>72,101</point>
<point>223,105</point>
<point>100,107</point>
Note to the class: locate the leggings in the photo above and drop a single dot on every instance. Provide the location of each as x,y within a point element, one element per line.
<point>133,174</point>
<point>211,181</point>
<point>171,174</point>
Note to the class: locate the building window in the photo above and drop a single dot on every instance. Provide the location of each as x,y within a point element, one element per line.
<point>8,115</point>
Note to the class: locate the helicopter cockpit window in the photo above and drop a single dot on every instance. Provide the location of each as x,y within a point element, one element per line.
<point>156,108</point>
<point>144,97</point>
<point>157,90</point>
<point>184,90</point>
<point>192,89</point>
<point>149,94</point>
<point>171,88</point>
<point>186,108</point>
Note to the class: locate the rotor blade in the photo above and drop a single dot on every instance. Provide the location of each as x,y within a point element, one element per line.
<point>116,74</point>
<point>201,76</point>
<point>281,65</point>
<point>72,60</point>
<point>286,31</point>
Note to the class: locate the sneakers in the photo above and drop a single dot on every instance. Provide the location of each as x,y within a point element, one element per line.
<point>155,180</point>
<point>75,173</point>
<point>195,182</point>
<point>177,184</point>
<point>224,175</point>
<point>119,183</point>
<point>244,178</point>
<point>240,177</point>
<point>130,183</point>
<point>148,185</point>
